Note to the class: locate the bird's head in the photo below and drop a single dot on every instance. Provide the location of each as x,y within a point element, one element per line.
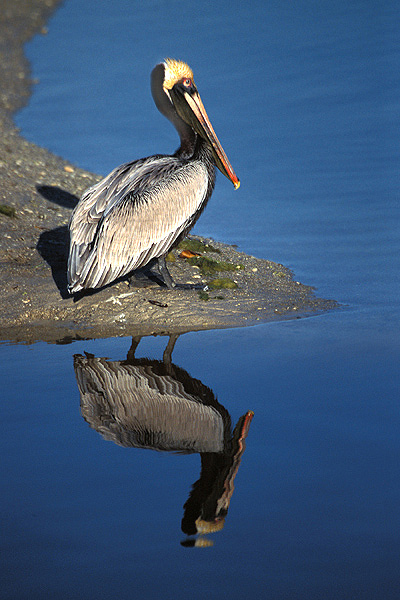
<point>173,79</point>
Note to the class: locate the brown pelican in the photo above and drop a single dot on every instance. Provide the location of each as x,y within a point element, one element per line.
<point>142,209</point>
<point>152,404</point>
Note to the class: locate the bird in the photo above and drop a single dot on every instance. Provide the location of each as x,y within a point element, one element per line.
<point>157,405</point>
<point>140,211</point>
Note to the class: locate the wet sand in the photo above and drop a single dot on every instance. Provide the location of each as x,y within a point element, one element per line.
<point>38,192</point>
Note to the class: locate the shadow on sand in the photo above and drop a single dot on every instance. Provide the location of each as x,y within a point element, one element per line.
<point>53,245</point>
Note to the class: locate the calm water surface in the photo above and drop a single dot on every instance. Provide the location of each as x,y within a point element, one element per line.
<point>304,97</point>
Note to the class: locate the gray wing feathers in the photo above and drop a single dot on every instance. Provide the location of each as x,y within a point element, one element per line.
<point>131,216</point>
<point>134,406</point>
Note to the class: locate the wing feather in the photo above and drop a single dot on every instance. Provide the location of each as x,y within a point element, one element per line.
<point>132,216</point>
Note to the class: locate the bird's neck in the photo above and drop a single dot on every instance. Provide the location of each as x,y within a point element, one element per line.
<point>203,153</point>
<point>195,148</point>
<point>188,144</point>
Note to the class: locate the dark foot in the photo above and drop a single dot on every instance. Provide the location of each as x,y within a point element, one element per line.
<point>202,287</point>
<point>170,283</point>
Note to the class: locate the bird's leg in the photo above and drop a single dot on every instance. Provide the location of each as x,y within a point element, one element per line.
<point>131,352</point>
<point>167,356</point>
<point>164,273</point>
<point>170,283</point>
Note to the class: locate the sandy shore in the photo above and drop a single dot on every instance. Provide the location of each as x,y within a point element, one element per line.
<point>38,191</point>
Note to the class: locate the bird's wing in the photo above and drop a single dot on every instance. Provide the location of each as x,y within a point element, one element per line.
<point>135,405</point>
<point>133,215</point>
<point>99,199</point>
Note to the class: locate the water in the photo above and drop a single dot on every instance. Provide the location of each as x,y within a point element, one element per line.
<point>303,97</point>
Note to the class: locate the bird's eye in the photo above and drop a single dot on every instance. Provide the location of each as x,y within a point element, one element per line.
<point>187,83</point>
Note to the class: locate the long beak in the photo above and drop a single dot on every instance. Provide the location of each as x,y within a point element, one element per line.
<point>195,114</point>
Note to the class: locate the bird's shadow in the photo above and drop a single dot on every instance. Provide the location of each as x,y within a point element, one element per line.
<point>53,245</point>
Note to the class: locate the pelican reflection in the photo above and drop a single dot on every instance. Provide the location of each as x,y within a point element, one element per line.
<point>154,404</point>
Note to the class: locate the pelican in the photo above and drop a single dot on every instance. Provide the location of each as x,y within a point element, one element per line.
<point>157,405</point>
<point>142,209</point>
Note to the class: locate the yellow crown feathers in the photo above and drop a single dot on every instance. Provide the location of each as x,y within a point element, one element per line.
<point>175,70</point>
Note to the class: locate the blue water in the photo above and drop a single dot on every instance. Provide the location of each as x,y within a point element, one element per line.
<point>304,98</point>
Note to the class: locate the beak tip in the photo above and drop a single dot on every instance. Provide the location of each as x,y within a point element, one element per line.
<point>236,184</point>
